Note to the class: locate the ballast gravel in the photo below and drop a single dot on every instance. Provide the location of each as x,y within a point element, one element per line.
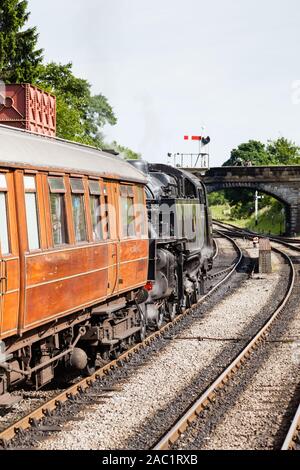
<point>256,408</point>
<point>152,397</point>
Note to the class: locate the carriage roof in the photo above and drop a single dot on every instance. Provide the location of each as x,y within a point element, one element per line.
<point>23,149</point>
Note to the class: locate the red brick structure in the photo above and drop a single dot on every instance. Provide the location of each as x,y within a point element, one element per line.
<point>27,107</point>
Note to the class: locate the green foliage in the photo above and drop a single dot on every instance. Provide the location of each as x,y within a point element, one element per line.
<point>126,152</point>
<point>276,152</point>
<point>283,152</point>
<point>80,115</point>
<point>252,151</point>
<point>19,57</point>
<point>242,209</point>
<point>235,195</point>
<point>217,198</point>
<point>271,219</point>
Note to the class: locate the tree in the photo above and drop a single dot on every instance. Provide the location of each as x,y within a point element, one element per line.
<point>253,150</point>
<point>283,152</point>
<point>217,198</point>
<point>277,152</point>
<point>19,57</point>
<point>126,152</point>
<point>80,115</point>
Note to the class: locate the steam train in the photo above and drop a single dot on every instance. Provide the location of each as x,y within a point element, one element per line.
<point>94,251</point>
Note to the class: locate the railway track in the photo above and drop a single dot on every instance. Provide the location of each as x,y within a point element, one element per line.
<point>216,249</point>
<point>292,437</point>
<point>35,417</point>
<point>290,442</point>
<point>286,241</point>
<point>209,396</point>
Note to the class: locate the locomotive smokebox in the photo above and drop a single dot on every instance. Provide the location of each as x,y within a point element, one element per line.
<point>78,359</point>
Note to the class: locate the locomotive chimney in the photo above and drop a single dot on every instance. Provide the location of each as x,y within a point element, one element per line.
<point>27,107</point>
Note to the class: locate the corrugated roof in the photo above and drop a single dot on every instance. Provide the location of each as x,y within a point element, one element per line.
<point>23,149</point>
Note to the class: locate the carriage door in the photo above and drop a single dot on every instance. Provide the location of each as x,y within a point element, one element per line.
<point>9,258</point>
<point>110,217</point>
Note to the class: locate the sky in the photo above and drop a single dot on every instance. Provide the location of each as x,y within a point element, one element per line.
<point>170,68</point>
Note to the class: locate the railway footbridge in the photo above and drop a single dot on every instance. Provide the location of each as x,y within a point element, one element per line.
<point>281,182</point>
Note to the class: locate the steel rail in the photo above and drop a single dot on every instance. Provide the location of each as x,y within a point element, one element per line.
<point>216,249</point>
<point>35,416</point>
<point>292,436</point>
<point>288,242</point>
<point>209,395</point>
<point>290,441</point>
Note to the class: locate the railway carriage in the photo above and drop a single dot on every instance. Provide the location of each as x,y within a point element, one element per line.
<point>93,251</point>
<point>74,255</point>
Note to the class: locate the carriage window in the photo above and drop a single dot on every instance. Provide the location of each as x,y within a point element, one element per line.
<point>4,240</point>
<point>3,184</point>
<point>141,210</point>
<point>58,211</point>
<point>95,206</point>
<point>106,220</point>
<point>31,213</point>
<point>96,217</point>
<point>57,185</point>
<point>77,185</point>
<point>94,188</point>
<point>78,209</point>
<point>127,210</point>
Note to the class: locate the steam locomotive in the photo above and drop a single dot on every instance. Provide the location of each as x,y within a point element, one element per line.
<point>93,252</point>
<point>180,240</point>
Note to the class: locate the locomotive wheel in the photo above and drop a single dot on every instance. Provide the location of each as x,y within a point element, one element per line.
<point>180,309</point>
<point>202,286</point>
<point>189,300</point>
<point>160,319</point>
<point>141,335</point>
<point>114,354</point>
<point>102,359</point>
<point>172,311</point>
<point>196,294</point>
<point>89,370</point>
<point>123,346</point>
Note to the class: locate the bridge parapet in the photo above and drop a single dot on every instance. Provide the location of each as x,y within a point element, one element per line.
<point>281,182</point>
<point>251,173</point>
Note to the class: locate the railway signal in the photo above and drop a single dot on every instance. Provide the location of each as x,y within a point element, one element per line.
<point>199,138</point>
<point>256,198</point>
<point>193,160</point>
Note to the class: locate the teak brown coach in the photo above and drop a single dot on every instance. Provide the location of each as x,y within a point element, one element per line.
<point>74,245</point>
<point>94,251</point>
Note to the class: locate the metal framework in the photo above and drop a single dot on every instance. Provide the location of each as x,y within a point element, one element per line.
<point>190,160</point>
